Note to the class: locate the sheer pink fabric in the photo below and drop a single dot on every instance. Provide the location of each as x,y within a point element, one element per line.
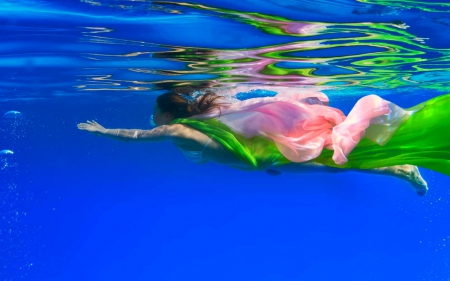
<point>302,125</point>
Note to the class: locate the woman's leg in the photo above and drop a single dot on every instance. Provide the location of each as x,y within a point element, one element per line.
<point>406,172</point>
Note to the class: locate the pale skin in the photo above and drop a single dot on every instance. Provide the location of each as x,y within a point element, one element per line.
<point>187,138</point>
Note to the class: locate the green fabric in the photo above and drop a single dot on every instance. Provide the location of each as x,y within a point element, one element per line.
<point>258,152</point>
<point>422,140</point>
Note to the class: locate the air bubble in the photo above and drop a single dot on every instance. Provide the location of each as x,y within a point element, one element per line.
<point>13,115</point>
<point>6,152</point>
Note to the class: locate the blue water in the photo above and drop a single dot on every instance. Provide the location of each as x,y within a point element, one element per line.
<point>78,207</point>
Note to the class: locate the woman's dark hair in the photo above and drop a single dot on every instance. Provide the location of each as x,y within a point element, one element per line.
<point>183,104</point>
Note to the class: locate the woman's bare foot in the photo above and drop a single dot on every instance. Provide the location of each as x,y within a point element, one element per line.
<point>412,175</point>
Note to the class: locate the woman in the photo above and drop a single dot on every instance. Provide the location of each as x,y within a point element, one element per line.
<point>298,133</point>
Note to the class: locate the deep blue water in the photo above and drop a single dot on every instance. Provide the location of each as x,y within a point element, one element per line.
<point>78,207</point>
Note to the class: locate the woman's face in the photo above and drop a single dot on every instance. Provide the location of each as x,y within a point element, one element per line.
<point>161,118</point>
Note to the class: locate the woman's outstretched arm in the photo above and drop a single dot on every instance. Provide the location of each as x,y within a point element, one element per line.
<point>160,133</point>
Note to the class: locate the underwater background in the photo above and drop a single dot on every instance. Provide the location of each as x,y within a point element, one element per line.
<point>78,207</point>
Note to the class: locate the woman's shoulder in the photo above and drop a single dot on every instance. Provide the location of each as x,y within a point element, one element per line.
<point>183,131</point>
<point>187,137</point>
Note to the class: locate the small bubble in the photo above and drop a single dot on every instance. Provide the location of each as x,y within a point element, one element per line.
<point>12,115</point>
<point>6,152</point>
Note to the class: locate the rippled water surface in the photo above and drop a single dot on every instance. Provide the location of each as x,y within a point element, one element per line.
<point>137,46</point>
<point>77,207</point>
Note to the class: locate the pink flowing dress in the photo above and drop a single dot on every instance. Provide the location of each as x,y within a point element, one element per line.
<point>302,125</point>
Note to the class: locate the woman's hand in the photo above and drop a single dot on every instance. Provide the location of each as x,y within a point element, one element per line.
<point>92,127</point>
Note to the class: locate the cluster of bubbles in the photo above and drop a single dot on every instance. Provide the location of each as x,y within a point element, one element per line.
<point>436,237</point>
<point>10,124</point>
<point>12,121</point>
<point>13,245</point>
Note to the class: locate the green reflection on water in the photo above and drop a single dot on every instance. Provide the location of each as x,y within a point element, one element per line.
<point>429,6</point>
<point>393,57</point>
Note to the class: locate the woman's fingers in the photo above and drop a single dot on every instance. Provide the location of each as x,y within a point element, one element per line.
<point>91,126</point>
<point>84,126</point>
<point>93,123</point>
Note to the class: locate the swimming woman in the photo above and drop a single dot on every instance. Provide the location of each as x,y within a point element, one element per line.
<point>300,133</point>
